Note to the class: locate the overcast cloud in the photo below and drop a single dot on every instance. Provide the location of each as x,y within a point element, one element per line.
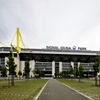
<point>52,22</point>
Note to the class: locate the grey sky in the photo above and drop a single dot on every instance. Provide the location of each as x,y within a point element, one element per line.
<point>52,22</point>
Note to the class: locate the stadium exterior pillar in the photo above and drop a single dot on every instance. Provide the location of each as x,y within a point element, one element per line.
<point>22,66</point>
<point>53,68</point>
<point>18,63</point>
<point>60,67</point>
<point>72,64</point>
<point>6,59</point>
<point>32,66</point>
<point>78,64</point>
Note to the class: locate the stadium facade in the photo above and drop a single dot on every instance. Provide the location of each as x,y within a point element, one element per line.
<point>52,59</point>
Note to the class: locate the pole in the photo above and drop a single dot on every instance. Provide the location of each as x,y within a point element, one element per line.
<point>18,59</point>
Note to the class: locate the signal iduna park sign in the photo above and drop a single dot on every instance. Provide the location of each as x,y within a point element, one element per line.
<point>66,48</point>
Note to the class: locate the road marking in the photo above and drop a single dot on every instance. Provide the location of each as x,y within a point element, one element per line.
<point>41,91</point>
<point>78,92</point>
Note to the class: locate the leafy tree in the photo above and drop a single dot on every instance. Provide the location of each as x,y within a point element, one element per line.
<point>67,72</point>
<point>19,73</point>
<point>96,68</point>
<point>64,73</point>
<point>60,74</point>
<point>76,72</point>
<point>4,71</point>
<point>55,74</point>
<point>37,72</point>
<point>71,72</point>
<point>12,67</point>
<point>26,69</point>
<point>42,73</point>
<point>80,71</point>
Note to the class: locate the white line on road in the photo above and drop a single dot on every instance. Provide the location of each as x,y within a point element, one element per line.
<point>41,91</point>
<point>78,92</point>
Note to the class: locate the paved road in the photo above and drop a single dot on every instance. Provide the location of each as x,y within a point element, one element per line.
<point>55,90</point>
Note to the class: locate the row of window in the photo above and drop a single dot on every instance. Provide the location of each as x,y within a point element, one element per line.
<point>44,66</point>
<point>65,66</point>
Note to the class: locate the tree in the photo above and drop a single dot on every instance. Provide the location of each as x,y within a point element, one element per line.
<point>42,73</point>
<point>96,68</point>
<point>36,72</point>
<point>12,67</point>
<point>80,71</point>
<point>71,72</point>
<point>26,69</point>
<point>4,72</point>
<point>64,74</point>
<point>60,74</point>
<point>19,73</point>
<point>67,73</point>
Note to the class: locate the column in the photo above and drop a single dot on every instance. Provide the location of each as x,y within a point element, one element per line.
<point>22,66</point>
<point>17,63</point>
<point>6,59</point>
<point>60,67</point>
<point>32,66</point>
<point>72,64</point>
<point>53,68</point>
<point>78,64</point>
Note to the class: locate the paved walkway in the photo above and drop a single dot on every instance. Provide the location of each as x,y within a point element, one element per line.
<point>55,90</point>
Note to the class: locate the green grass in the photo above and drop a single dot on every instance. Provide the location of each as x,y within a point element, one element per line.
<point>87,79</point>
<point>85,87</point>
<point>1,80</point>
<point>23,90</point>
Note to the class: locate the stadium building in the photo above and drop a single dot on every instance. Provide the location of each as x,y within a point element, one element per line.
<point>52,59</point>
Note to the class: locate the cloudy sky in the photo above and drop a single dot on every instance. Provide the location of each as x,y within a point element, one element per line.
<point>51,22</point>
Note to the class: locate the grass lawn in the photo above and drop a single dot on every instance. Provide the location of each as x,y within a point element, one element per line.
<point>5,79</point>
<point>23,90</point>
<point>87,79</point>
<point>85,87</point>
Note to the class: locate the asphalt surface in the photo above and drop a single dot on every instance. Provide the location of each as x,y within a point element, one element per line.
<point>55,90</point>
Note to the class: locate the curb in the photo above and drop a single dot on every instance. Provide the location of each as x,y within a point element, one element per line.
<point>37,96</point>
<point>78,92</point>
